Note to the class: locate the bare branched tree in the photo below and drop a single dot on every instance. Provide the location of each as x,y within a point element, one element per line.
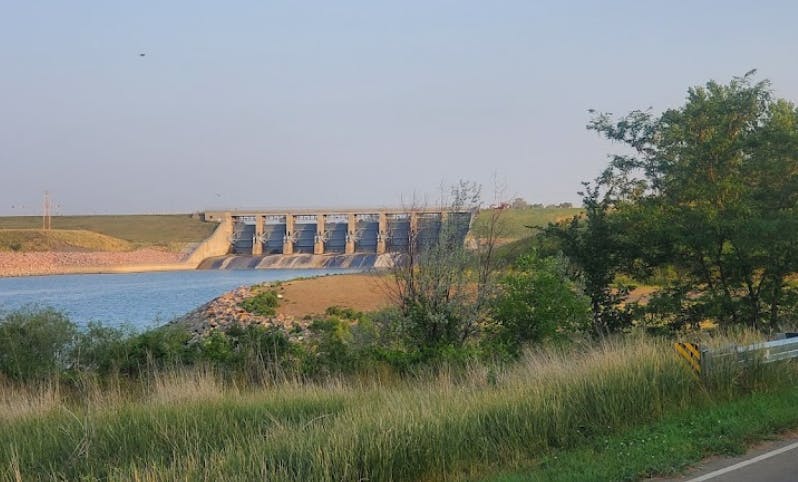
<point>488,233</point>
<point>441,286</point>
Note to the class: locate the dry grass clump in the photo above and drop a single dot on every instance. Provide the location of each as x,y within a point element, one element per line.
<point>188,385</point>
<point>17,402</point>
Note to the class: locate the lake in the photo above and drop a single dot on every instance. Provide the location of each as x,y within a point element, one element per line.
<point>140,300</point>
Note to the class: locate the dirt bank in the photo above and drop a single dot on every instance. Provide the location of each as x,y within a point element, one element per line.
<point>300,300</point>
<point>361,292</point>
<point>52,262</point>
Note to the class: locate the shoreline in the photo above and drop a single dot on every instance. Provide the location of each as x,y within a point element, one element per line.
<point>112,269</point>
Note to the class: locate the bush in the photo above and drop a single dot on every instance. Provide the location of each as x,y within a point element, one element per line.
<point>262,304</point>
<point>35,343</point>
<point>343,313</point>
<point>537,300</point>
<point>217,348</point>
<point>256,352</point>
<point>101,348</point>
<point>162,347</point>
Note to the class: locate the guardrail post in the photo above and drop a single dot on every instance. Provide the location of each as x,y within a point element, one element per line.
<point>691,352</point>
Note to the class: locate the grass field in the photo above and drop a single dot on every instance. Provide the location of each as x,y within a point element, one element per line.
<point>514,222</point>
<point>30,240</point>
<point>172,230</point>
<point>470,425</point>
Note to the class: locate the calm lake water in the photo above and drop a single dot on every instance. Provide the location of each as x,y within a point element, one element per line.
<point>140,300</point>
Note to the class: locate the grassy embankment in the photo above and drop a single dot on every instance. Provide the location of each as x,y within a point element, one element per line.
<point>517,228</point>
<point>172,231</point>
<point>31,240</point>
<point>630,403</point>
<point>514,223</point>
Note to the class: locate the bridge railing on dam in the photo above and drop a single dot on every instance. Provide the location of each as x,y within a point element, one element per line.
<point>376,231</point>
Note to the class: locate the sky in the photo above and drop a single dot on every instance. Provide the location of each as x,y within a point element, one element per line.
<point>242,104</point>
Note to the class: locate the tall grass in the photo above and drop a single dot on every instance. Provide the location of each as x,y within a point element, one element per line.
<point>448,425</point>
<point>18,402</point>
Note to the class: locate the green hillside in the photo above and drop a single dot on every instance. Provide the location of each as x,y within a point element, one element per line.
<point>514,221</point>
<point>172,230</point>
<point>59,240</point>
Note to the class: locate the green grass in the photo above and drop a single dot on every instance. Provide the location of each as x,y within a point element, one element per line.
<point>141,230</point>
<point>508,253</point>
<point>453,425</point>
<point>28,240</point>
<point>514,222</point>
<point>671,445</point>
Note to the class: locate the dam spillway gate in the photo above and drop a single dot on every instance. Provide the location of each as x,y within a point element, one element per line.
<point>379,231</point>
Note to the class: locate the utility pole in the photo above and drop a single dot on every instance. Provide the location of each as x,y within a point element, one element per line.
<point>47,219</point>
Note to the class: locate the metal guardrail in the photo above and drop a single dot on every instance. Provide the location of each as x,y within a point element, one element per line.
<point>702,360</point>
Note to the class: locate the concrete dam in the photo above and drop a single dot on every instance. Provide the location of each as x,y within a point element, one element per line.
<point>361,238</point>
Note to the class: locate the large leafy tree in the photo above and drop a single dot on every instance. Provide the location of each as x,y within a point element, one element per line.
<point>710,189</point>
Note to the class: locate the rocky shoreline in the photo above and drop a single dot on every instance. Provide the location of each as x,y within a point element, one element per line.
<point>225,311</point>
<point>300,301</point>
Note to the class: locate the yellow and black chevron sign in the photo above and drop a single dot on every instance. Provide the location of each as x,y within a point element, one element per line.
<point>691,353</point>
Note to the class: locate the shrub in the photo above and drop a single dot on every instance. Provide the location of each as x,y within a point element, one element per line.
<point>161,347</point>
<point>537,300</point>
<point>343,313</point>
<point>101,348</point>
<point>329,347</point>
<point>258,352</point>
<point>262,304</point>
<point>34,343</point>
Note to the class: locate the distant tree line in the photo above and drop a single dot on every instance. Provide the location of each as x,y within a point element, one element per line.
<point>520,203</point>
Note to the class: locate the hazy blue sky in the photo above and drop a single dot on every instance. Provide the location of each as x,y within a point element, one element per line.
<point>299,103</point>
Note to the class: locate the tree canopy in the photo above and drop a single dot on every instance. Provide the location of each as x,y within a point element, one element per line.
<point>708,189</point>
